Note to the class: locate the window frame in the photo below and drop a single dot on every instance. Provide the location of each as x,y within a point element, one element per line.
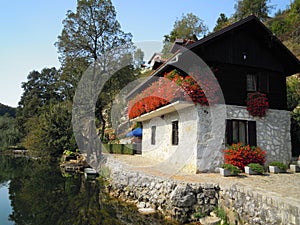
<point>250,132</point>
<point>254,82</point>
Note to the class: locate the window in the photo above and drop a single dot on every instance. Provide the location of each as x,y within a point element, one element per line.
<point>153,134</point>
<point>175,137</point>
<point>241,131</point>
<point>258,82</point>
<point>251,82</point>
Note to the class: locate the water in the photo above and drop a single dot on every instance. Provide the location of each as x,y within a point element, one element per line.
<point>35,192</point>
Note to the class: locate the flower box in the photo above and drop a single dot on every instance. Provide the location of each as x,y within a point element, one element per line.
<point>275,169</point>
<point>249,171</point>
<point>295,168</point>
<point>225,172</point>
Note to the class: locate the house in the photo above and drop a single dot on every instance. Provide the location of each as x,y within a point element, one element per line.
<point>237,62</point>
<point>156,61</point>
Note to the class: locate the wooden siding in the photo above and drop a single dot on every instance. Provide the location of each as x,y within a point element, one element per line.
<point>232,80</point>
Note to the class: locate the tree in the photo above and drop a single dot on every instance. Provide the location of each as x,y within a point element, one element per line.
<point>91,33</point>
<point>293,101</point>
<point>40,89</point>
<point>259,8</point>
<point>189,26</point>
<point>51,132</point>
<point>221,22</point>
<point>9,133</point>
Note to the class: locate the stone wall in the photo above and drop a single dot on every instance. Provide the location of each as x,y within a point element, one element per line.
<point>183,201</point>
<point>273,131</point>
<point>176,200</point>
<point>245,206</point>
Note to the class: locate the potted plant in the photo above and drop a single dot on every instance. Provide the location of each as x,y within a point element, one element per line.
<point>299,160</point>
<point>229,170</point>
<point>294,167</point>
<point>277,167</point>
<point>254,169</point>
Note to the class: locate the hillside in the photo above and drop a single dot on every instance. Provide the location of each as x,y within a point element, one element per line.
<point>4,109</point>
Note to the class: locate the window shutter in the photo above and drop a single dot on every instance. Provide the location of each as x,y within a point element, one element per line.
<point>229,132</point>
<point>252,133</point>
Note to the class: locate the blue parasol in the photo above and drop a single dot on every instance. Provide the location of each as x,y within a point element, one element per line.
<point>138,132</point>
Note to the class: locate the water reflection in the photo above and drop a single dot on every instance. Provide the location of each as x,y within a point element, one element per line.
<point>39,194</point>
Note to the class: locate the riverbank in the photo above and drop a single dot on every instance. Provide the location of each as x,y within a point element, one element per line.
<point>268,199</point>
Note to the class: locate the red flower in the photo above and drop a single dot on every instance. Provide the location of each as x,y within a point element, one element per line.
<point>257,104</point>
<point>173,87</point>
<point>241,155</point>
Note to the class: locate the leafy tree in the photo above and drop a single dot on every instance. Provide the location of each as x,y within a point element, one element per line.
<point>40,89</point>
<point>51,132</point>
<point>189,26</point>
<point>221,22</point>
<point>259,8</point>
<point>4,109</point>
<point>91,33</point>
<point>293,101</point>
<point>9,133</point>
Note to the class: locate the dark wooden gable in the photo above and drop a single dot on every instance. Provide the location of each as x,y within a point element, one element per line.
<point>245,47</point>
<point>248,47</point>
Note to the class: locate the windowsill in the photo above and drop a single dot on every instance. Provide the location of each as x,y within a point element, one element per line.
<point>163,110</point>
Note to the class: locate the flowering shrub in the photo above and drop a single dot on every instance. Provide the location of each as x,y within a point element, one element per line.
<point>241,155</point>
<point>257,104</point>
<point>171,88</point>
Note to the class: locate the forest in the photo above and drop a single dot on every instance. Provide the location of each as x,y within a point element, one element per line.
<point>42,122</point>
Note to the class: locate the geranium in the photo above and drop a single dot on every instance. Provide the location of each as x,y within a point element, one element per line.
<point>257,104</point>
<point>241,155</point>
<point>173,87</point>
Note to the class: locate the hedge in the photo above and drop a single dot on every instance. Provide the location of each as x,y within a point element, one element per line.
<point>126,149</point>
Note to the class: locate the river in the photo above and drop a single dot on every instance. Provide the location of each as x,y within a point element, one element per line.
<point>36,192</point>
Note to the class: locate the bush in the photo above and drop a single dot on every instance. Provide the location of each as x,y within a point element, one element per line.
<point>241,155</point>
<point>118,149</point>
<point>256,168</point>
<point>280,165</point>
<point>233,169</point>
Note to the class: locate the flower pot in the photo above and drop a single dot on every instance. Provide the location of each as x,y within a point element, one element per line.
<point>249,171</point>
<point>298,162</point>
<point>275,169</point>
<point>224,172</point>
<point>295,168</point>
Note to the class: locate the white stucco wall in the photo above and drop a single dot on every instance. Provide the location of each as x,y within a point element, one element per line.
<point>181,155</point>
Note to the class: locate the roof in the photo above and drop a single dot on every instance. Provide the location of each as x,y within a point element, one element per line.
<point>254,25</point>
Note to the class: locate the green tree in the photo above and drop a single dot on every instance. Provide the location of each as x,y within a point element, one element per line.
<point>189,26</point>
<point>222,21</point>
<point>259,8</point>
<point>40,89</point>
<point>51,132</point>
<point>293,101</point>
<point>91,33</point>
<point>9,133</point>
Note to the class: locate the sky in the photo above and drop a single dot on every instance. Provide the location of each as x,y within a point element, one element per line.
<point>30,28</point>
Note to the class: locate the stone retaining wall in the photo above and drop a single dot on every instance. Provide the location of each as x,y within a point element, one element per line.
<point>176,200</point>
<point>245,206</point>
<point>184,201</point>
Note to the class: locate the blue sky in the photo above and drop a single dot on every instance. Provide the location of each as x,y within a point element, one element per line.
<point>30,28</point>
